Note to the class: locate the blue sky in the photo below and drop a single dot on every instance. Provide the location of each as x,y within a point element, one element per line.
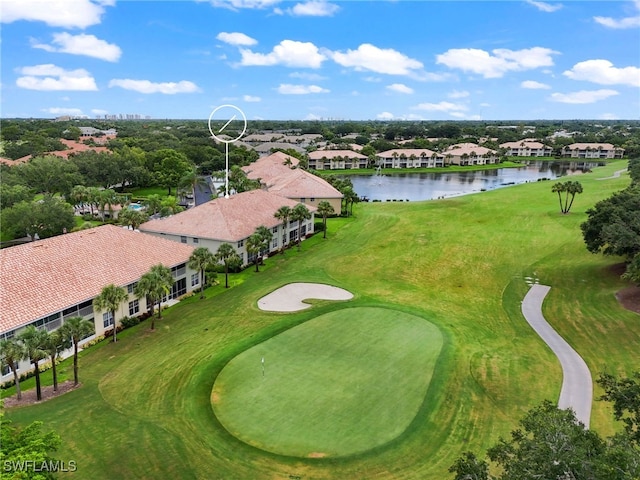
<point>350,60</point>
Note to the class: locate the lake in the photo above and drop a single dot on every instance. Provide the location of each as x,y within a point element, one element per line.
<point>428,186</point>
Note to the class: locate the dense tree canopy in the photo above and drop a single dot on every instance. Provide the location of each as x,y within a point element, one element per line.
<point>46,218</point>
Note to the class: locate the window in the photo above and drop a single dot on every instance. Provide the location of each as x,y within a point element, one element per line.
<point>196,240</point>
<point>6,370</point>
<point>195,279</point>
<point>179,270</point>
<point>134,307</point>
<point>131,287</point>
<point>183,239</point>
<point>274,230</point>
<point>275,242</point>
<point>107,319</point>
<point>312,199</point>
<point>240,243</point>
<point>302,200</point>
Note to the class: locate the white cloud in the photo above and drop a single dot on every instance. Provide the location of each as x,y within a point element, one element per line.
<point>82,44</point>
<point>55,13</point>
<point>251,98</point>
<point>583,96</point>
<point>495,66</point>
<point>50,77</point>
<point>379,60</point>
<point>76,112</point>
<point>236,38</point>
<point>621,23</point>
<point>145,86</point>
<point>289,53</point>
<point>314,8</point>
<point>545,7</point>
<point>288,89</point>
<point>533,85</point>
<point>458,94</point>
<point>99,111</point>
<point>400,88</point>
<point>604,73</point>
<point>385,116</point>
<point>441,107</point>
<point>240,4</point>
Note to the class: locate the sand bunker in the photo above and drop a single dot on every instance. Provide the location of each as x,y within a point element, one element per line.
<point>290,297</point>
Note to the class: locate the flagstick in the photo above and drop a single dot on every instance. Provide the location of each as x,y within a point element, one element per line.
<point>263,367</point>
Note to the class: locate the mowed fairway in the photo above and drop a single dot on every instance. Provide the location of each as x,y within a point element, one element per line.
<point>339,384</point>
<point>144,409</point>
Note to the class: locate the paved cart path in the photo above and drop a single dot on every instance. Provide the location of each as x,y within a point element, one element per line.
<point>577,387</point>
<point>616,174</point>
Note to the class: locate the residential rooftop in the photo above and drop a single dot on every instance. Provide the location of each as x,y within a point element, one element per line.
<point>42,277</point>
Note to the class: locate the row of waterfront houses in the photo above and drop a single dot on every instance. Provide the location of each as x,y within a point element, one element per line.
<point>47,281</point>
<point>461,154</point>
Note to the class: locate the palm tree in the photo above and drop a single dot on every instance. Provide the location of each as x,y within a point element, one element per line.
<point>254,247</point>
<point>266,235</point>
<point>110,299</point>
<point>106,198</point>
<point>79,195</point>
<point>55,342</point>
<point>200,260</point>
<point>132,218</point>
<point>153,203</point>
<point>191,181</point>
<point>170,206</point>
<point>300,213</point>
<point>155,284</point>
<point>349,197</point>
<point>558,188</point>
<point>283,214</point>
<point>75,329</point>
<point>35,342</point>
<point>573,188</point>
<point>11,352</point>
<point>228,256</point>
<point>325,209</point>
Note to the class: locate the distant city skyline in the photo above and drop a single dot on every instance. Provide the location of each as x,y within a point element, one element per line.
<point>319,60</point>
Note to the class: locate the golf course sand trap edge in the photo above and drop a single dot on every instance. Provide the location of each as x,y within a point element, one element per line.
<point>289,298</point>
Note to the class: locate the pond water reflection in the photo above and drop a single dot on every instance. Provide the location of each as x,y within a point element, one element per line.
<point>429,186</point>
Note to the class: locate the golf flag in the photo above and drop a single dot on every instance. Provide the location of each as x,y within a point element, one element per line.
<point>263,360</point>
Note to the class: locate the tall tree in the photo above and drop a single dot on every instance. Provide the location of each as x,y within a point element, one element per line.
<point>132,218</point>
<point>35,344</point>
<point>155,284</point>
<point>254,245</point>
<point>228,256</point>
<point>284,214</point>
<point>559,188</point>
<point>325,209</point>
<point>573,188</point>
<point>11,352</point>
<point>200,260</point>
<point>300,213</point>
<point>55,343</point>
<point>266,236</point>
<point>75,329</point>
<point>49,217</point>
<point>109,300</point>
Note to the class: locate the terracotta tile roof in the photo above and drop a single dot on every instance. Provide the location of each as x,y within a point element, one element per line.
<point>407,152</point>
<point>45,276</point>
<point>460,149</point>
<point>289,182</point>
<point>224,219</point>
<point>329,154</point>
<point>592,146</point>
<point>524,144</point>
<point>8,161</point>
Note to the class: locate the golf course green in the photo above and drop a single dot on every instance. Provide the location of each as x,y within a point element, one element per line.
<point>340,384</point>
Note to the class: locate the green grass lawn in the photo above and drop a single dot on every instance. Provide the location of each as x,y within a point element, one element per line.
<point>339,384</point>
<point>144,409</point>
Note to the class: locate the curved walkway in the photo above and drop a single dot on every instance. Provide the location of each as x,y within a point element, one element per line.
<point>577,388</point>
<point>289,298</point>
<point>616,174</point>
